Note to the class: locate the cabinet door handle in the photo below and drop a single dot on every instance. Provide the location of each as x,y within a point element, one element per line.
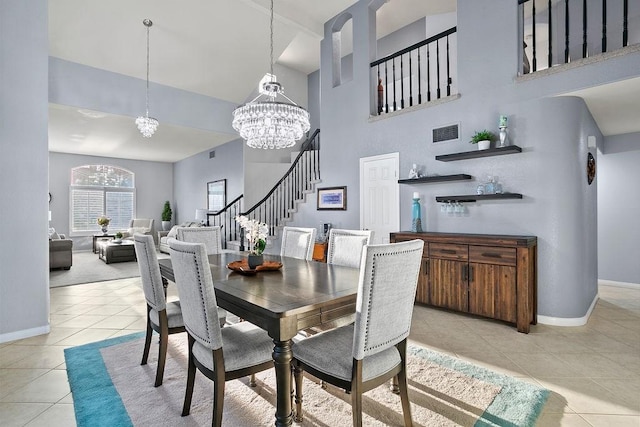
<point>465,272</point>
<point>426,267</point>
<point>491,255</point>
<point>470,273</point>
<point>447,251</point>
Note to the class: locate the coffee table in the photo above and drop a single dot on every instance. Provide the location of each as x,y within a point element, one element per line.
<point>110,252</point>
<point>100,237</point>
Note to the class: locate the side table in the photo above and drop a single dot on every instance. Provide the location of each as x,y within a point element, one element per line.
<point>98,237</point>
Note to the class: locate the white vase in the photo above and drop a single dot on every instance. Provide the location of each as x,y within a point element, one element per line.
<point>166,225</point>
<point>484,144</point>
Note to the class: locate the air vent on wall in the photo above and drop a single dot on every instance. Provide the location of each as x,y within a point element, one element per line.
<point>446,133</point>
<point>212,154</point>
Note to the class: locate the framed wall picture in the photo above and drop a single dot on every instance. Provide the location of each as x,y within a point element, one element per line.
<point>332,198</point>
<point>216,195</point>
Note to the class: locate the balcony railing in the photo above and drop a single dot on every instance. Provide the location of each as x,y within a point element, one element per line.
<point>559,31</point>
<point>416,74</point>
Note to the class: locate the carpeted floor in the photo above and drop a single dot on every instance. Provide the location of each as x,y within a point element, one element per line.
<point>87,268</point>
<point>110,387</point>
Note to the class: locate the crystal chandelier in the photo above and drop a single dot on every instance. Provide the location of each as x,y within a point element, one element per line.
<point>147,125</point>
<point>269,123</point>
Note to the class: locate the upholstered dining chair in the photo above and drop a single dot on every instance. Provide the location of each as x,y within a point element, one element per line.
<point>221,354</point>
<point>345,246</point>
<point>210,236</point>
<point>297,242</point>
<point>363,355</point>
<point>162,317</point>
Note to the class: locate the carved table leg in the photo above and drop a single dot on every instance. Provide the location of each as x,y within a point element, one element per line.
<point>282,355</point>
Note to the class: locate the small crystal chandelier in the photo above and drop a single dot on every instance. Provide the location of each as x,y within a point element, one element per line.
<point>268,123</point>
<point>147,125</point>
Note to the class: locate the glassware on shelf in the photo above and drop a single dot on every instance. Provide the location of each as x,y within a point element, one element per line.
<point>480,189</point>
<point>490,187</point>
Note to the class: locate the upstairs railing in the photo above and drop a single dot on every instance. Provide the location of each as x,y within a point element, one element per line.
<point>276,207</point>
<point>574,29</point>
<point>421,72</point>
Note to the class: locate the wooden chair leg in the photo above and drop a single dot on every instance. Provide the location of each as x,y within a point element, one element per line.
<point>356,407</point>
<point>147,342</point>
<point>394,386</point>
<point>162,351</point>
<point>191,376</point>
<point>252,380</point>
<point>218,388</point>
<point>404,398</point>
<point>297,373</point>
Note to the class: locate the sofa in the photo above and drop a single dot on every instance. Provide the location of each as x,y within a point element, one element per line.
<point>163,246</point>
<point>60,251</point>
<point>138,225</point>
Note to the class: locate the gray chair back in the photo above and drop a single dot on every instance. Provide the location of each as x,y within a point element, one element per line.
<point>297,242</point>
<point>195,288</point>
<point>210,236</point>
<point>345,246</point>
<point>149,271</point>
<point>387,290</point>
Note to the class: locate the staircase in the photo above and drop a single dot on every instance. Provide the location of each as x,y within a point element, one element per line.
<point>280,203</point>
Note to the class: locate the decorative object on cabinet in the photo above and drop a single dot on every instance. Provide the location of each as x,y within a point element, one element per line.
<point>483,138</point>
<point>435,178</point>
<point>497,151</point>
<point>332,198</point>
<point>216,195</point>
<point>416,222</point>
<point>591,168</point>
<point>492,276</point>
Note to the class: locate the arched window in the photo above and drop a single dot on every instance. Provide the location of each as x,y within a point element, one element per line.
<point>98,190</point>
<point>341,42</point>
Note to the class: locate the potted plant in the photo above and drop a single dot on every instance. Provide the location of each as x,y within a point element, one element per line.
<point>256,234</point>
<point>483,138</point>
<point>118,238</point>
<point>166,216</point>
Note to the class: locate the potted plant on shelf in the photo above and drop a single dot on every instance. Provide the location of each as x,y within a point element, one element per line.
<point>483,138</point>
<point>118,238</point>
<point>256,233</point>
<point>166,216</point>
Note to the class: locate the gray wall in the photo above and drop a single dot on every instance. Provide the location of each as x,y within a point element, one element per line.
<point>558,206</point>
<point>24,262</point>
<point>193,173</point>
<point>618,178</point>
<point>153,180</point>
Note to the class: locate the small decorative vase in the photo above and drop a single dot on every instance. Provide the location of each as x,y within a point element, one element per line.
<point>254,260</point>
<point>503,136</point>
<point>104,230</point>
<point>416,223</point>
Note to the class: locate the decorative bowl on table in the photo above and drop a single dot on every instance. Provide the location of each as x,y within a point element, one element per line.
<point>116,241</point>
<point>242,266</point>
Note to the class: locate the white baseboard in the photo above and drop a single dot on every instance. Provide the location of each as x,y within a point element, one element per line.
<point>25,333</point>
<point>618,284</point>
<point>569,321</point>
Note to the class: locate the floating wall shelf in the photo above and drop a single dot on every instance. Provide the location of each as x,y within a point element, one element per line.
<point>498,151</point>
<point>476,197</point>
<point>437,178</point>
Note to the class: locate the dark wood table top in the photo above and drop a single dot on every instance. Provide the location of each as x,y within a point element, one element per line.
<point>299,295</point>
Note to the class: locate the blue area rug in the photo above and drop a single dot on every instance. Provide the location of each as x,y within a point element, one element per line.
<point>110,388</point>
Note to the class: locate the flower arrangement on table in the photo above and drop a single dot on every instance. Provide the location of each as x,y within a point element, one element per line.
<point>103,221</point>
<point>255,232</point>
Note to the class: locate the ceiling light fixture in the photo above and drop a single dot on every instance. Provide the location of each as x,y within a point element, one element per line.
<point>269,123</point>
<point>147,125</point>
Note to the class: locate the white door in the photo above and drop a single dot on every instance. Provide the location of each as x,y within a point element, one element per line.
<point>380,195</point>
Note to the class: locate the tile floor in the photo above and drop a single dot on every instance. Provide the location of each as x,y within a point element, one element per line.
<point>593,371</point>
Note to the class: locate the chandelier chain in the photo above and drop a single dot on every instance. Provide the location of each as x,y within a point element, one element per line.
<point>147,125</point>
<point>271,39</point>
<point>148,26</point>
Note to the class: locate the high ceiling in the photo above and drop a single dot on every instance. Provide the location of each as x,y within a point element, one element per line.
<point>216,48</point>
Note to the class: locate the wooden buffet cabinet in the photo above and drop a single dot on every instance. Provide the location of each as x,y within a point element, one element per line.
<point>488,275</point>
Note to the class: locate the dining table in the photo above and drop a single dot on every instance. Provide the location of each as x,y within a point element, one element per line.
<point>299,295</point>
